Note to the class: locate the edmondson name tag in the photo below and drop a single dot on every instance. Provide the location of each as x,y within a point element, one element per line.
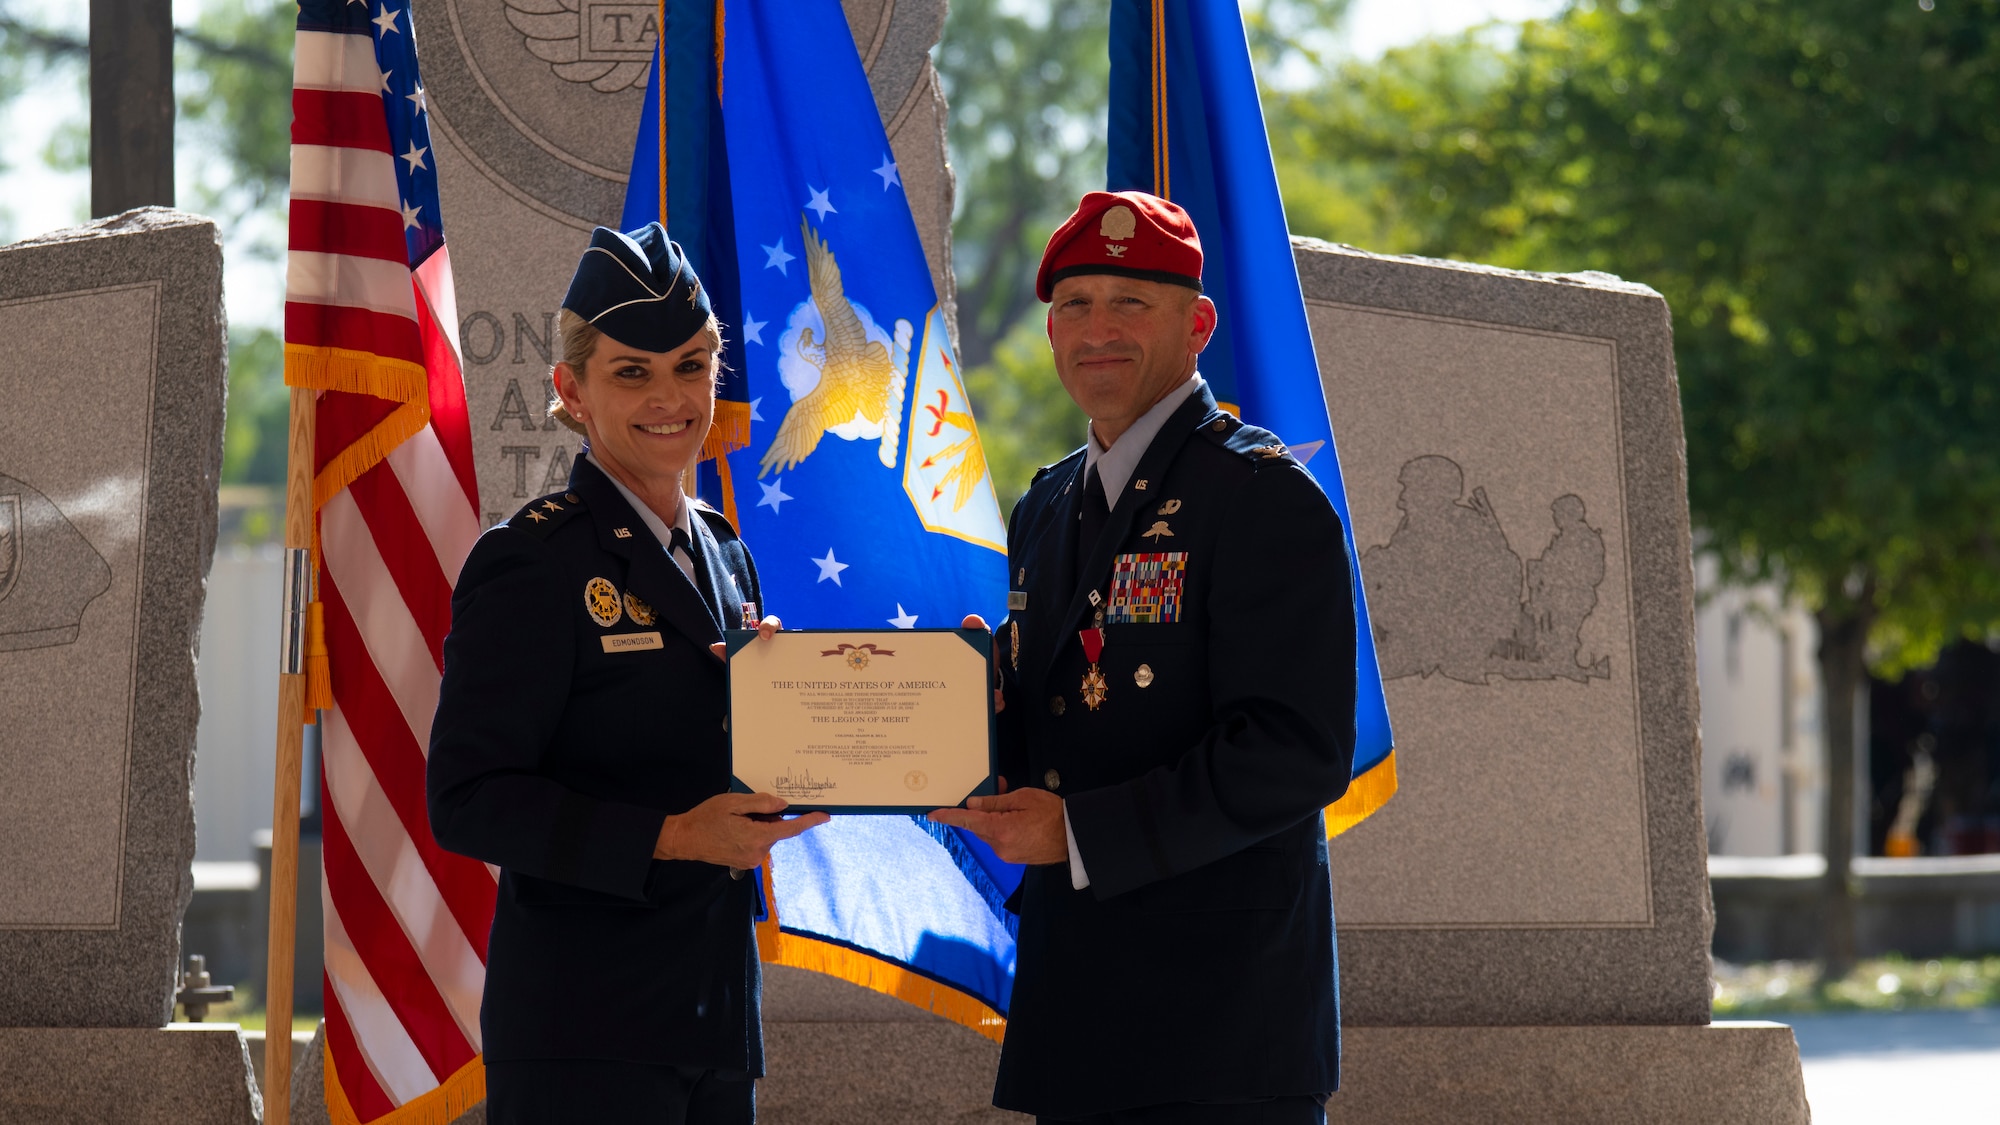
<point>627,642</point>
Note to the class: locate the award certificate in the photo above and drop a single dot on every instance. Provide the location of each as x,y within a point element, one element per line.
<point>862,721</point>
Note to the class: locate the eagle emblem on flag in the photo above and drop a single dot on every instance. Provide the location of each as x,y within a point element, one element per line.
<point>838,367</point>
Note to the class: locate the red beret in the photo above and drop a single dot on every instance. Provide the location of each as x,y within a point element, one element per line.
<point>1127,233</point>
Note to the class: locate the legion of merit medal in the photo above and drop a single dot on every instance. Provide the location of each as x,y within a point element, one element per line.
<point>1094,687</point>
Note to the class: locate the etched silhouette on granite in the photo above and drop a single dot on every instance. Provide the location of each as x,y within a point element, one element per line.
<point>48,571</point>
<point>1448,593</point>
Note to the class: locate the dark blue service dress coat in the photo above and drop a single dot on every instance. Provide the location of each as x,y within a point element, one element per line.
<point>580,706</point>
<point>1199,963</point>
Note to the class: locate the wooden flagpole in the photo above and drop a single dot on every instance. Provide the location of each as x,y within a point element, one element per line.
<point>299,570</point>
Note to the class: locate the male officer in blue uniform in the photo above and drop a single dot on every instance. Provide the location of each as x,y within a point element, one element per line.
<point>581,739</point>
<point>1179,682</point>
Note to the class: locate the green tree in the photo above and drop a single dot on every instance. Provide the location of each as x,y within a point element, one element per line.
<point>1026,87</point>
<point>1815,187</point>
<point>1026,419</point>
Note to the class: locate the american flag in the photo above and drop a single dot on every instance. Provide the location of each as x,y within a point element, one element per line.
<point>370,324</point>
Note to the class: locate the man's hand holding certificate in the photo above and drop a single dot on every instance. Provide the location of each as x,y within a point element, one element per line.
<point>862,721</point>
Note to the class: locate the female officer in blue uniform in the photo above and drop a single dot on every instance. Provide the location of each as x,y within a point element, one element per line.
<point>581,740</point>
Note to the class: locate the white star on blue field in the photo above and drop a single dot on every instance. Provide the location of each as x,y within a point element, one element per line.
<point>775,255</point>
<point>904,619</point>
<point>820,203</point>
<point>773,494</point>
<point>829,568</point>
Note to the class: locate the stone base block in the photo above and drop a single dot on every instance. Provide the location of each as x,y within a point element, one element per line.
<point>835,1054</point>
<point>878,1074</point>
<point>181,1074</point>
<point>1720,1074</point>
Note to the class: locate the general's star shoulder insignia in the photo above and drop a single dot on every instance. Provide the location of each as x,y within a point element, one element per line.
<point>1269,452</point>
<point>552,506</point>
<point>537,516</point>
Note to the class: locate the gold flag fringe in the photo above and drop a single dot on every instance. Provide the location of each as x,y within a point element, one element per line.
<point>441,1106</point>
<point>730,431</point>
<point>1364,795</point>
<point>370,450</point>
<point>356,373</point>
<point>319,673</point>
<point>855,967</point>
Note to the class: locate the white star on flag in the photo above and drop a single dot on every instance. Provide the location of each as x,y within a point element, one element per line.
<point>754,416</point>
<point>386,21</point>
<point>410,216</point>
<point>820,203</point>
<point>774,255</point>
<point>383,76</point>
<point>415,156</point>
<point>888,172</point>
<point>417,99</point>
<point>828,568</point>
<point>904,619</point>
<point>774,495</point>
<point>753,328</point>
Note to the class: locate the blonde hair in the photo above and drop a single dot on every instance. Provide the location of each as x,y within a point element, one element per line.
<point>579,339</point>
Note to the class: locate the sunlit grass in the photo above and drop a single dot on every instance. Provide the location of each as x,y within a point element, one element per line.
<point>1883,984</point>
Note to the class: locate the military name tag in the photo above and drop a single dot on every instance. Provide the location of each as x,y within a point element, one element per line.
<point>628,642</point>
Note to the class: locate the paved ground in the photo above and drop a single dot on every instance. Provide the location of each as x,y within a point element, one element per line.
<point>1905,1067</point>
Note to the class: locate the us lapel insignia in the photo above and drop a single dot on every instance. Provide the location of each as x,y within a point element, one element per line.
<point>600,597</point>
<point>1158,529</point>
<point>1139,486</point>
<point>1170,507</point>
<point>622,532</point>
<point>638,610</point>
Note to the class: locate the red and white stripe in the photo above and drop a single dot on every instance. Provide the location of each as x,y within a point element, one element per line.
<point>406,921</point>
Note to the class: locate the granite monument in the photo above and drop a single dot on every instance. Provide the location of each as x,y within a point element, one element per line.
<point>1524,927</point>
<point>110,453</point>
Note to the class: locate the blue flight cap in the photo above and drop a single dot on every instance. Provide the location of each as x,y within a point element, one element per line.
<point>638,289</point>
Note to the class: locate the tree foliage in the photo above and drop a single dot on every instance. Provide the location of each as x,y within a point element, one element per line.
<point>1814,186</point>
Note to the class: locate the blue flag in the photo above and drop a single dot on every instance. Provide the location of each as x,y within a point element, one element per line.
<point>859,480</point>
<point>1186,125</point>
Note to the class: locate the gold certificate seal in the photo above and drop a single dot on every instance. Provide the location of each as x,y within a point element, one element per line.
<point>916,780</point>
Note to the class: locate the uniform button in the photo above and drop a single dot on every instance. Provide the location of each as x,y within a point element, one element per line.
<point>1052,779</point>
<point>1219,425</point>
<point>572,498</point>
<point>1056,705</point>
